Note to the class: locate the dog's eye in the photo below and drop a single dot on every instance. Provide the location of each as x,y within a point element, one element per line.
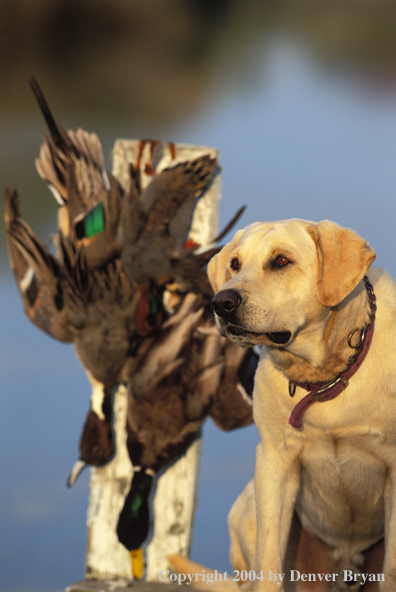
<point>281,261</point>
<point>234,264</point>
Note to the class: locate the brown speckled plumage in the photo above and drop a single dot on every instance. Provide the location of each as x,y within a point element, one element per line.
<point>132,296</point>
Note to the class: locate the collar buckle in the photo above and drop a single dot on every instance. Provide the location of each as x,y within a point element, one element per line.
<point>328,386</point>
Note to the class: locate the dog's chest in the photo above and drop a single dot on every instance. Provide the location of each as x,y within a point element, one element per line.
<point>342,488</point>
<point>346,466</point>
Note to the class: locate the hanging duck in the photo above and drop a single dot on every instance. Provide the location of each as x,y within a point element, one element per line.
<point>147,364</point>
<point>93,309</point>
<point>100,311</point>
<point>96,219</point>
<point>185,374</point>
<point>130,291</point>
<point>148,228</point>
<point>198,381</point>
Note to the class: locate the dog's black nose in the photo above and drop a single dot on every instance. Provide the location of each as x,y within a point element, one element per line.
<point>226,302</point>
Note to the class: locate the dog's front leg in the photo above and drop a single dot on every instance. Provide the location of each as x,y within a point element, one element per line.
<point>277,480</point>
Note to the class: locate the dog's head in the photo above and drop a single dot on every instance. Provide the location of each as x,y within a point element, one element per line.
<point>274,278</point>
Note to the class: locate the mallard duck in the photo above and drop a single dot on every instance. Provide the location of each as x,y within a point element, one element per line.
<point>153,282</point>
<point>83,293</point>
<point>186,373</point>
<point>148,227</point>
<point>152,358</point>
<point>95,310</point>
<point>130,291</point>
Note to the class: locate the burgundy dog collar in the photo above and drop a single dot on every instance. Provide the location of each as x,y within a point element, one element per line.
<point>325,391</point>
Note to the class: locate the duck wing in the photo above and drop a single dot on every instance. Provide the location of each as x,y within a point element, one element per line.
<point>232,406</point>
<point>37,274</point>
<point>90,199</point>
<point>167,204</point>
<point>80,147</point>
<point>189,267</point>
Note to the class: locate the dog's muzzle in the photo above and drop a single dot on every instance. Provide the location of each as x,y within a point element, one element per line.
<point>226,302</point>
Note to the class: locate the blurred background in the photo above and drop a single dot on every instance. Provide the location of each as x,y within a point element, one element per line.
<point>300,99</point>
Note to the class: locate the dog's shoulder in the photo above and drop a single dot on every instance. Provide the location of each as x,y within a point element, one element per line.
<point>385,319</point>
<point>384,289</point>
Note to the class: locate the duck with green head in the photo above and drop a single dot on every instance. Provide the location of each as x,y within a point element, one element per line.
<point>131,293</point>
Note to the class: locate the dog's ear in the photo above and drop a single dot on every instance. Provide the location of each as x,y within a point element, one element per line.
<point>344,258</point>
<point>217,266</point>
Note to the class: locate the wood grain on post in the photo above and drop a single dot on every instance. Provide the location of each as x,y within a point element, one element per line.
<point>175,494</point>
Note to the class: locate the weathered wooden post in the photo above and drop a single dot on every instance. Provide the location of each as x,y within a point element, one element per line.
<point>174,502</point>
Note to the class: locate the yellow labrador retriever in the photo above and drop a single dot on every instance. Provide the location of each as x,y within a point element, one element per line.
<point>324,397</point>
